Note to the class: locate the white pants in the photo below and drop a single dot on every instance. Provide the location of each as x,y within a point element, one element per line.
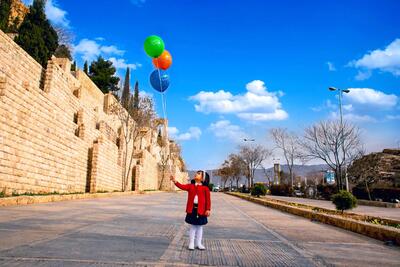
<point>196,233</point>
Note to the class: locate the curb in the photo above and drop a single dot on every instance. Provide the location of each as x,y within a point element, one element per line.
<point>27,200</point>
<point>377,204</point>
<point>380,232</point>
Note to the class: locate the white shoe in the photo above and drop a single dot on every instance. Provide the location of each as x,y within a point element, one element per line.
<point>201,247</point>
<point>191,246</point>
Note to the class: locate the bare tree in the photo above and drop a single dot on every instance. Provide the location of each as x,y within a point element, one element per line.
<point>236,165</point>
<point>324,141</point>
<point>252,156</point>
<point>269,175</point>
<point>164,159</point>
<point>65,36</point>
<point>289,144</point>
<point>134,123</point>
<point>224,172</point>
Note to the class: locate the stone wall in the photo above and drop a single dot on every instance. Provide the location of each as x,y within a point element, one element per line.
<point>56,131</point>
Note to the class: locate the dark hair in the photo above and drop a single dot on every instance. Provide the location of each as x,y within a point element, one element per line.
<point>206,178</point>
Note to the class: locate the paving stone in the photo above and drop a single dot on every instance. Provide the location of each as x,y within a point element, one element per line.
<point>149,230</point>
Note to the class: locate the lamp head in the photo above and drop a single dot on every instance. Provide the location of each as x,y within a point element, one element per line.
<point>332,88</point>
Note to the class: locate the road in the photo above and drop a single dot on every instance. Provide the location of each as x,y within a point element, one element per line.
<point>149,230</point>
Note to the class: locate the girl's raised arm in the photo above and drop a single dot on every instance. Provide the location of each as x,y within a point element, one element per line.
<point>179,185</point>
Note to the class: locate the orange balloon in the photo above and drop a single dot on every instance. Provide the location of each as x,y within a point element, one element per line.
<point>164,61</point>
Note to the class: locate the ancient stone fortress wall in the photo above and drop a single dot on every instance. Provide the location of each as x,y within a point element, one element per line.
<point>56,131</point>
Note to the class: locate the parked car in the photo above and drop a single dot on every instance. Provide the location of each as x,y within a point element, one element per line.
<point>298,193</point>
<point>216,189</point>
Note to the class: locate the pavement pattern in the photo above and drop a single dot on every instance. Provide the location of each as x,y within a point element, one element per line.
<point>149,230</point>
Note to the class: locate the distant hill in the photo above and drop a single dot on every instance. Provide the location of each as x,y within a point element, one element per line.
<point>299,170</point>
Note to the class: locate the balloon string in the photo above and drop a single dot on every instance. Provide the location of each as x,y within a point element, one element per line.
<point>164,105</point>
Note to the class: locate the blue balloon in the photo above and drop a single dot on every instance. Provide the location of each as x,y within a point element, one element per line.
<point>159,80</point>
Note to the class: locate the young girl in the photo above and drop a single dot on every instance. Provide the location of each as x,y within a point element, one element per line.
<point>198,206</point>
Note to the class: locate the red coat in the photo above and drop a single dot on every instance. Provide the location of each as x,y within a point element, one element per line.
<point>203,196</point>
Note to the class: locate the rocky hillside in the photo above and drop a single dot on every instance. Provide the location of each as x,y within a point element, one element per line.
<point>18,12</point>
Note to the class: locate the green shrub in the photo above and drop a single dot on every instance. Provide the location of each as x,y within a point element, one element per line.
<point>344,200</point>
<point>281,190</point>
<point>258,190</point>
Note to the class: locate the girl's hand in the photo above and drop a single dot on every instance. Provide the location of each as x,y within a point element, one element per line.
<point>172,178</point>
<point>208,213</point>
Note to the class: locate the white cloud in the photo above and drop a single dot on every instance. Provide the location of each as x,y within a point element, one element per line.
<point>353,117</point>
<point>53,12</point>
<point>90,49</point>
<point>326,105</point>
<point>393,117</point>
<point>256,104</point>
<point>387,60</point>
<point>348,107</point>
<point>371,97</point>
<point>121,64</point>
<point>331,67</point>
<point>112,49</point>
<point>223,129</point>
<point>192,133</point>
<point>278,115</point>
<point>56,14</point>
<point>172,131</point>
<point>363,75</point>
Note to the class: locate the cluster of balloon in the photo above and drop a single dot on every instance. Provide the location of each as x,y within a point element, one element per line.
<point>162,60</point>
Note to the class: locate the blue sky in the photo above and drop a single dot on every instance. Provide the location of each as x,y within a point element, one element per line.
<point>242,67</point>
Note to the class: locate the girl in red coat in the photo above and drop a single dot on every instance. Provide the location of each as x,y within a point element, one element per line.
<point>198,207</point>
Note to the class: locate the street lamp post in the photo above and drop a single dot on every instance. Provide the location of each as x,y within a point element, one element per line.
<point>250,140</point>
<point>341,91</point>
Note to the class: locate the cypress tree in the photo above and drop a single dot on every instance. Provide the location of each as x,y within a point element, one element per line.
<point>5,7</point>
<point>136,96</point>
<point>102,74</point>
<point>85,67</point>
<point>126,92</point>
<point>36,35</point>
<point>73,66</point>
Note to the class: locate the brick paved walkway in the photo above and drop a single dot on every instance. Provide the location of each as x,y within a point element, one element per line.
<point>392,213</point>
<point>148,230</point>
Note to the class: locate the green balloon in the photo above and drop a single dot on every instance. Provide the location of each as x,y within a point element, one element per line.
<point>154,46</point>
